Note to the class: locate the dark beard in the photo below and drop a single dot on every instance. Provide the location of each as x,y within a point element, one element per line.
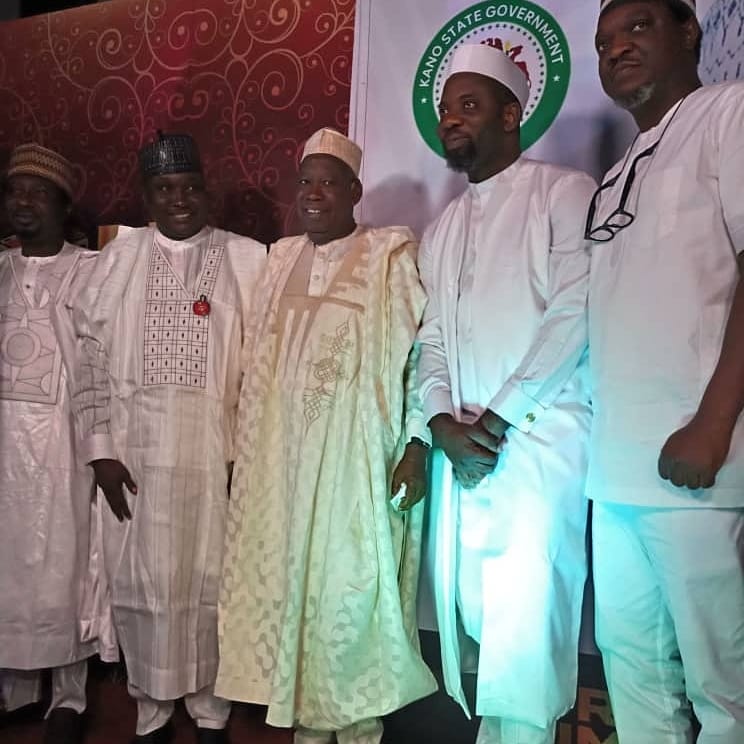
<point>461,160</point>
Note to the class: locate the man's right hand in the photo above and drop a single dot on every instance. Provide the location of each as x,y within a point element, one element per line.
<point>111,476</point>
<point>471,449</point>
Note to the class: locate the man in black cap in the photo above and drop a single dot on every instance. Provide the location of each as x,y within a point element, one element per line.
<point>666,341</point>
<point>162,322</point>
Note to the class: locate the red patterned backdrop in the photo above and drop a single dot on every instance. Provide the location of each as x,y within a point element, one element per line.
<point>250,79</point>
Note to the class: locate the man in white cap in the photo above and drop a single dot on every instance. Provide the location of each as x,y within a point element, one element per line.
<point>317,608</point>
<point>45,490</point>
<point>503,384</point>
<point>666,329</point>
<point>162,322</point>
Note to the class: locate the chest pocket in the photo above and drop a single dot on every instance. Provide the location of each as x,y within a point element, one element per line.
<point>659,199</point>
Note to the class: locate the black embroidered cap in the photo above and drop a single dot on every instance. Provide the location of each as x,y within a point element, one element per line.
<point>170,153</point>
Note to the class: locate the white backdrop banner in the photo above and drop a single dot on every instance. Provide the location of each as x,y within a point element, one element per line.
<point>402,48</point>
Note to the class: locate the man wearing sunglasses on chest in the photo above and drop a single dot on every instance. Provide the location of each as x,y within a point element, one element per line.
<point>666,326</point>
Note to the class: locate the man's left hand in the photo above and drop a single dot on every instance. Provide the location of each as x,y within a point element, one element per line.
<point>694,454</point>
<point>411,470</point>
<point>492,423</point>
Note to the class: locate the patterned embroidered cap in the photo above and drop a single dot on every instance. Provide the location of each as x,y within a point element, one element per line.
<point>32,159</point>
<point>605,3</point>
<point>330,142</point>
<point>170,153</point>
<point>491,62</point>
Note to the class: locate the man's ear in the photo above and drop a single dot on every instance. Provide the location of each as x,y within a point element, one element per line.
<point>356,191</point>
<point>692,33</point>
<point>511,115</point>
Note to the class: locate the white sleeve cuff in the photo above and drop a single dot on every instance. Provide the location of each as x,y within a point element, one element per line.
<point>436,402</point>
<point>97,447</point>
<point>416,427</point>
<point>516,407</point>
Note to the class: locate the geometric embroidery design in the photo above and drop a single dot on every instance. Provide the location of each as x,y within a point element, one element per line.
<point>176,339</point>
<point>30,357</point>
<point>327,371</point>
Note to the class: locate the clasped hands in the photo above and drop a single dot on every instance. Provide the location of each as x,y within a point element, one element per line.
<point>473,449</point>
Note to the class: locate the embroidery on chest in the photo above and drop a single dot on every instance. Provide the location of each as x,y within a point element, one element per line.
<point>326,372</point>
<point>30,357</point>
<point>176,339</point>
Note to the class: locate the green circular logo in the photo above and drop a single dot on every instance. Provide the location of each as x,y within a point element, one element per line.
<point>527,33</point>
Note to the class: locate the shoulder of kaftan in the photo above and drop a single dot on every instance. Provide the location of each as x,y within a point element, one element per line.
<point>86,263</point>
<point>392,236</point>
<point>98,301</point>
<point>243,245</point>
<point>247,260</point>
<point>281,247</point>
<point>282,252</point>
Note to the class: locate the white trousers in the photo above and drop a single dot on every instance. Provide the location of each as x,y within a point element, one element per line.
<point>669,594</point>
<point>20,687</point>
<point>206,709</point>
<point>368,731</point>
<point>521,571</point>
<point>503,731</point>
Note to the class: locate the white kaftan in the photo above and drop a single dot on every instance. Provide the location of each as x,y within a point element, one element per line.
<point>669,583</point>
<point>159,392</point>
<point>659,299</point>
<point>505,270</point>
<point>45,488</point>
<point>317,608</point>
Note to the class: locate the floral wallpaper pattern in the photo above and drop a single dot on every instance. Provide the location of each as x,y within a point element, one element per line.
<point>249,79</point>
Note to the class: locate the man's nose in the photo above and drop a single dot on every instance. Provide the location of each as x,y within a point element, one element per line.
<point>618,46</point>
<point>178,195</point>
<point>449,119</point>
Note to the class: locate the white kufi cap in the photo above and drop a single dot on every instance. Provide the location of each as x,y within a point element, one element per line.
<point>330,142</point>
<point>491,62</point>
<point>605,3</point>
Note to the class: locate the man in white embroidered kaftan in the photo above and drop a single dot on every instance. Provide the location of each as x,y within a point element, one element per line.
<point>503,384</point>
<point>45,491</point>
<point>162,323</point>
<point>317,606</point>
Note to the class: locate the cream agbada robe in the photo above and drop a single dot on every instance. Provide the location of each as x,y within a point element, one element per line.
<point>45,492</point>
<point>506,270</point>
<point>318,596</point>
<point>159,392</point>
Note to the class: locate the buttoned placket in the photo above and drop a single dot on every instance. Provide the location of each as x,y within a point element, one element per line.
<point>318,271</point>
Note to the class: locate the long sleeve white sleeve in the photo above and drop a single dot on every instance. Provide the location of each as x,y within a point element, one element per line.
<point>91,392</point>
<point>562,337</point>
<point>433,374</point>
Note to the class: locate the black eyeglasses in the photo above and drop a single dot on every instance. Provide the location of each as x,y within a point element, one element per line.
<point>621,217</point>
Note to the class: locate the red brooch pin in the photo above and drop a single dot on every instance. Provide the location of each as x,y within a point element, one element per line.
<point>201,307</point>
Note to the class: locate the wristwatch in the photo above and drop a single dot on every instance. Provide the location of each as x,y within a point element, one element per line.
<point>419,441</point>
